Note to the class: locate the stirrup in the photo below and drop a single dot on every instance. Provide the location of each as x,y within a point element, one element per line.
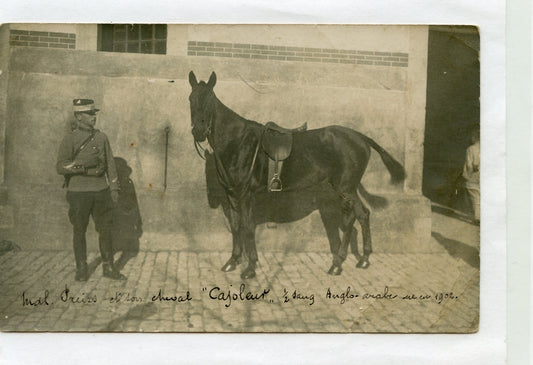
<point>275,183</point>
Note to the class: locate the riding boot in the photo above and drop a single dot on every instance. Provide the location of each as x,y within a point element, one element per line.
<point>81,271</point>
<point>110,271</point>
<point>80,255</point>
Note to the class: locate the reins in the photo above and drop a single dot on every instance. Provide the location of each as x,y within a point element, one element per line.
<point>198,147</point>
<point>235,191</point>
<point>223,177</point>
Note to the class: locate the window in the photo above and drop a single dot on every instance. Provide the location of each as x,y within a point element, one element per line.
<point>133,38</point>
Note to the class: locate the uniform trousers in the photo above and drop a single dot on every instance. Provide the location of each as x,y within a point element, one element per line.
<point>99,205</point>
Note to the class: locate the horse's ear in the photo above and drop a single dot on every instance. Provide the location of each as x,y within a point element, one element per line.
<point>212,80</point>
<point>192,79</point>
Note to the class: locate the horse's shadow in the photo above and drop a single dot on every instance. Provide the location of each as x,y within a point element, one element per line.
<point>127,217</point>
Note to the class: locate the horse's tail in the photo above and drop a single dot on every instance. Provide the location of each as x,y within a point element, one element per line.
<point>396,169</point>
<point>375,201</point>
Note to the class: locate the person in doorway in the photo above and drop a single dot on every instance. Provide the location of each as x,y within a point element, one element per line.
<point>471,174</point>
<point>86,161</point>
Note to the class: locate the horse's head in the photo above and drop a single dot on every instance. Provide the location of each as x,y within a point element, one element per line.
<point>202,100</point>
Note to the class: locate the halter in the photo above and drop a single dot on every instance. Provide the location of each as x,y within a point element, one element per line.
<point>223,176</point>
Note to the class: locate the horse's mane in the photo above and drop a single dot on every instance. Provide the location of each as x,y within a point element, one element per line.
<point>234,115</point>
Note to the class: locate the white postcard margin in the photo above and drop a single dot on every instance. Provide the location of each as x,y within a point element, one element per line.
<point>485,347</point>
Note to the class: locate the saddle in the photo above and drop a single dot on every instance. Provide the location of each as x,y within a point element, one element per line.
<point>277,144</point>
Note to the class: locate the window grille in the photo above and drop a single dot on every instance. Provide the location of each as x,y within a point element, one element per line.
<point>133,38</point>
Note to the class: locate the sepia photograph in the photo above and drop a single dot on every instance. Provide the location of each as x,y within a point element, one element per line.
<point>239,178</point>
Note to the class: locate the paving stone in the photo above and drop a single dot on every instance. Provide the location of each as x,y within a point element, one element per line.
<point>175,272</point>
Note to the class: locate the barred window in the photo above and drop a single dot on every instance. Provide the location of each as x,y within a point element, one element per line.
<point>133,38</point>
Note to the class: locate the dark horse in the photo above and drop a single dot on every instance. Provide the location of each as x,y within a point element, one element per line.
<point>323,172</point>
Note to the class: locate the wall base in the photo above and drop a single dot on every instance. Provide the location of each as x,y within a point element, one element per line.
<point>170,222</point>
<point>403,227</point>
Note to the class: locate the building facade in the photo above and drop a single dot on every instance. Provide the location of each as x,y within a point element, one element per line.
<point>369,78</point>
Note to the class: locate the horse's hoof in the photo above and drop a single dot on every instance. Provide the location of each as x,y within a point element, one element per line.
<point>335,270</point>
<point>363,264</point>
<point>248,274</point>
<point>229,266</point>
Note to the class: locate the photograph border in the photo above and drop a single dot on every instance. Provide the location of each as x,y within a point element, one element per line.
<point>421,348</point>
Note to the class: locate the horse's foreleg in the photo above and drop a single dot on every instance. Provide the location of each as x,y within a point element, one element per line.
<point>236,253</point>
<point>247,234</point>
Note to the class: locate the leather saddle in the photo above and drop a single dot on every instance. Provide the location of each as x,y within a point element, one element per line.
<point>277,144</point>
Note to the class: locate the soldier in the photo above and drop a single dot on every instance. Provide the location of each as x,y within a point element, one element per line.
<point>86,161</point>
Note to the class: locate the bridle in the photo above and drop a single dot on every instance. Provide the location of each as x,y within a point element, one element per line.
<point>199,147</point>
<point>211,116</point>
<point>223,177</point>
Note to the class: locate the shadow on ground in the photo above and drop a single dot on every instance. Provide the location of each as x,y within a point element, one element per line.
<point>458,249</point>
<point>125,256</point>
<point>91,268</point>
<point>449,212</point>
<point>138,313</point>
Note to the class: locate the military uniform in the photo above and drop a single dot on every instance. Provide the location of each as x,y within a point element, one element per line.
<point>90,179</point>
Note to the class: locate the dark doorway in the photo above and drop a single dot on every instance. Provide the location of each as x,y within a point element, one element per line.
<point>452,110</point>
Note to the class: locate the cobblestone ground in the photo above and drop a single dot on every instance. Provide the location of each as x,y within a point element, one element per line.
<point>172,291</point>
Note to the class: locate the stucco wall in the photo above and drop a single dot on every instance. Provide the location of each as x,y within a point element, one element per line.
<point>4,75</point>
<point>140,95</point>
<point>6,211</point>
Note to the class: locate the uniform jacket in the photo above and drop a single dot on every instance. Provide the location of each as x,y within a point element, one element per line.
<point>98,170</point>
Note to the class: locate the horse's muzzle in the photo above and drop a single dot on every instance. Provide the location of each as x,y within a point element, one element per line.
<point>199,136</point>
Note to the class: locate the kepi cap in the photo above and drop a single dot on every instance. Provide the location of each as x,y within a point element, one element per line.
<point>84,106</point>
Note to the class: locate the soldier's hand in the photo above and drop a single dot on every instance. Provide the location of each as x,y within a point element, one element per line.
<point>87,161</point>
<point>114,196</point>
<point>73,167</point>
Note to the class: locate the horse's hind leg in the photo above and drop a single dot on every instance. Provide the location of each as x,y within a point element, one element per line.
<point>330,221</point>
<point>349,232</point>
<point>363,216</point>
<point>353,244</point>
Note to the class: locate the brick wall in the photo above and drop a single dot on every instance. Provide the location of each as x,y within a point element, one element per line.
<point>28,38</point>
<point>302,54</point>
